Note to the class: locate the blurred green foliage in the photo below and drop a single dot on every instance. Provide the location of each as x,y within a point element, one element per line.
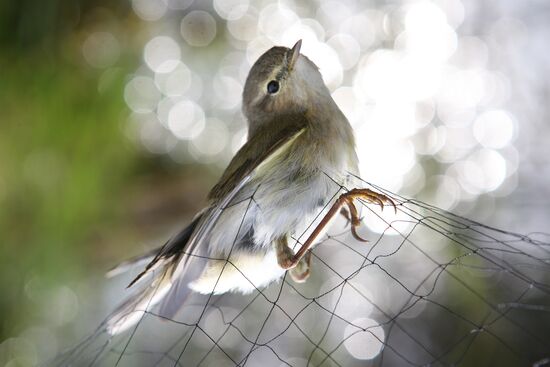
<point>27,25</point>
<point>63,156</point>
<point>76,194</point>
<point>63,159</point>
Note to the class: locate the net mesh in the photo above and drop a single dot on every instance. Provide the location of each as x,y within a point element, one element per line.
<point>429,288</point>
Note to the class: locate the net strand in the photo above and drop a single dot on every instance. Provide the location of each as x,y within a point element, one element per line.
<point>499,280</point>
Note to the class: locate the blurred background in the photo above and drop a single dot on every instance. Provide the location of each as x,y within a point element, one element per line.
<point>118,116</point>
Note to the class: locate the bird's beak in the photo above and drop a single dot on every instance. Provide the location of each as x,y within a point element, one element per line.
<point>293,55</point>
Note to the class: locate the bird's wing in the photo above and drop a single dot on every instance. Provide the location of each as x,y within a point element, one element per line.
<point>264,146</point>
<point>184,257</point>
<point>267,143</point>
<point>257,151</point>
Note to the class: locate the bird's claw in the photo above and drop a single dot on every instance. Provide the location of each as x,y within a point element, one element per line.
<point>345,214</point>
<point>373,197</point>
<point>369,196</point>
<point>356,235</point>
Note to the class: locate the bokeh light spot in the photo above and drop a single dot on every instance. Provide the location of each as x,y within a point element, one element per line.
<point>141,94</point>
<point>211,141</point>
<point>101,49</point>
<point>162,54</point>
<point>231,9</point>
<point>175,82</point>
<point>494,129</point>
<point>364,338</point>
<point>198,28</point>
<point>149,10</point>
<point>186,120</point>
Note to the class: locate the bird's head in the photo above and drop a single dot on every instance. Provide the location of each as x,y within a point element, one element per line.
<point>282,81</point>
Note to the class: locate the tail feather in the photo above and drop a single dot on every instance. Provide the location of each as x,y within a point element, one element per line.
<point>180,290</point>
<point>172,248</point>
<point>159,273</point>
<point>132,310</point>
<point>140,260</point>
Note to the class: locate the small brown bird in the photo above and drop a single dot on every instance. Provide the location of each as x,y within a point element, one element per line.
<point>277,195</point>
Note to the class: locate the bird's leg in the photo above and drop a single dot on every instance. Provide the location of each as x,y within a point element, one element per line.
<point>288,260</point>
<point>299,272</point>
<point>302,270</point>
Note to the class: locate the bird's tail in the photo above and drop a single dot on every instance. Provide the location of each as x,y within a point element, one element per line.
<point>163,276</point>
<point>132,310</point>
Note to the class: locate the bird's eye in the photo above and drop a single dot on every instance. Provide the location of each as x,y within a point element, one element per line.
<point>273,87</point>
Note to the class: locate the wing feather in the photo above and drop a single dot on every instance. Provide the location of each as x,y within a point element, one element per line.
<point>174,263</point>
<point>194,252</point>
<point>261,147</point>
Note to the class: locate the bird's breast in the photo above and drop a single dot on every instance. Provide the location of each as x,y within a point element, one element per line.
<point>297,191</point>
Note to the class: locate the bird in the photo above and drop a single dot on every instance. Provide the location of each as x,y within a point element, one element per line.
<point>272,203</point>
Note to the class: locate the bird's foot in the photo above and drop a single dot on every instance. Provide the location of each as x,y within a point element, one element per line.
<point>300,273</point>
<point>299,269</point>
<point>370,197</point>
<point>285,255</point>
